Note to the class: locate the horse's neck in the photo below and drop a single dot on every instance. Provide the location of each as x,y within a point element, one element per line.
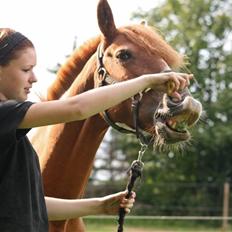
<point>70,149</point>
<point>68,155</point>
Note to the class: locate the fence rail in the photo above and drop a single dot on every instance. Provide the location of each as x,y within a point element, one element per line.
<point>203,218</point>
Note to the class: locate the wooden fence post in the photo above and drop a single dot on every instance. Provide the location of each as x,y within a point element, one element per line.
<point>226,196</point>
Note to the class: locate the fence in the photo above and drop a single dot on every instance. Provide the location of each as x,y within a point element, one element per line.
<point>217,210</point>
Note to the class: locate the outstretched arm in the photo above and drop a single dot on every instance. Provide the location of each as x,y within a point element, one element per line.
<point>61,209</point>
<point>97,100</point>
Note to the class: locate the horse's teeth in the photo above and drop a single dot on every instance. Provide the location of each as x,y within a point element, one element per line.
<point>174,125</point>
<point>171,123</point>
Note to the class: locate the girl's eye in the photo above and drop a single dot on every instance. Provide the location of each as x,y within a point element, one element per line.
<point>27,70</point>
<point>124,55</point>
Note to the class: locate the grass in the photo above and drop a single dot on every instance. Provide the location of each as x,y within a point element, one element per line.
<point>131,225</point>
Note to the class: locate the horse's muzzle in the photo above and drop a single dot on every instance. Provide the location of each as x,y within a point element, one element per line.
<point>174,118</point>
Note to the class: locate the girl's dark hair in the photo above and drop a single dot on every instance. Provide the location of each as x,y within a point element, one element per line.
<point>11,42</point>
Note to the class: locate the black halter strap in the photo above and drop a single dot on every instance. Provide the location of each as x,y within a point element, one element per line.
<point>137,165</point>
<point>105,79</point>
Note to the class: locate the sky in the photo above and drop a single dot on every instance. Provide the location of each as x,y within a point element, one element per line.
<point>52,26</point>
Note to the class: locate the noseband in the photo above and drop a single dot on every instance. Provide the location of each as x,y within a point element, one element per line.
<point>105,79</point>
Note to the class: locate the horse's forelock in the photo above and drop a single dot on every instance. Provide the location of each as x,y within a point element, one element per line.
<point>151,40</point>
<point>71,68</point>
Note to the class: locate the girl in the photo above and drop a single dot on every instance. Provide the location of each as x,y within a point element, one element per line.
<point>23,207</point>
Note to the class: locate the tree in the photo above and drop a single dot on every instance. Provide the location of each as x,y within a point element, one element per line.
<point>201,30</point>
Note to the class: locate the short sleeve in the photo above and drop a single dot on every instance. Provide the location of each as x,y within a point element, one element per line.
<point>11,114</point>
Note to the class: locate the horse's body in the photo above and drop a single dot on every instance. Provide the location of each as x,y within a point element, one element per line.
<point>67,151</point>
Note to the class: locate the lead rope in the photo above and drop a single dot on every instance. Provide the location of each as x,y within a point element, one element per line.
<point>134,172</point>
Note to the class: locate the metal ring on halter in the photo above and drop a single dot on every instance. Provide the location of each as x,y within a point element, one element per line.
<point>142,151</point>
<point>140,94</point>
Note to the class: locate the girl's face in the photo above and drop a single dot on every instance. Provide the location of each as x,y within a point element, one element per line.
<point>17,77</point>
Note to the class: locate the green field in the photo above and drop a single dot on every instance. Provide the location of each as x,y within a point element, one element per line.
<point>110,225</point>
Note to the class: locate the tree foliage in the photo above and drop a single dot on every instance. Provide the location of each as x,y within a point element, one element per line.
<point>201,30</point>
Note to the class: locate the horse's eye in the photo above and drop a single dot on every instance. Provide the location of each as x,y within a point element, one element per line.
<point>124,55</point>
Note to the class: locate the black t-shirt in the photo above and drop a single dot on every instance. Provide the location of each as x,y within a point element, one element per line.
<point>22,203</point>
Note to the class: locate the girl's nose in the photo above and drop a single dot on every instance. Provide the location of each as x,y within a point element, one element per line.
<point>33,78</point>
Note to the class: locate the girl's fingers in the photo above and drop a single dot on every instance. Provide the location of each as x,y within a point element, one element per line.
<point>183,80</point>
<point>187,78</point>
<point>178,81</point>
<point>190,76</point>
<point>127,210</point>
<point>183,83</point>
<point>127,204</point>
<point>173,85</point>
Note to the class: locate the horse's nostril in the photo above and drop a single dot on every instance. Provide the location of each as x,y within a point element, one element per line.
<point>175,100</point>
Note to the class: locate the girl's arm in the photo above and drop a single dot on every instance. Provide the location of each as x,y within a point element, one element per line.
<point>61,209</point>
<point>97,100</point>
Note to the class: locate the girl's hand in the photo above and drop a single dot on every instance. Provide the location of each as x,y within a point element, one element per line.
<point>112,203</point>
<point>169,82</point>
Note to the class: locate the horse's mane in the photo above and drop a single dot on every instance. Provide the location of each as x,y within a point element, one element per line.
<point>152,41</point>
<point>71,68</point>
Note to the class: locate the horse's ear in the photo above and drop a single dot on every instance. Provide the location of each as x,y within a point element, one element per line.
<point>106,20</point>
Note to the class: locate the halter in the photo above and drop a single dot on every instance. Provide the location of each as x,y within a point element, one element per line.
<point>105,79</point>
<point>135,170</point>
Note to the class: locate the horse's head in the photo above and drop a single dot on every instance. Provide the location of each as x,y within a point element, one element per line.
<point>129,52</point>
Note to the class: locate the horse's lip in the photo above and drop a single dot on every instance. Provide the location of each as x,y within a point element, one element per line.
<point>175,130</point>
<point>172,135</point>
<point>190,105</point>
<point>172,122</point>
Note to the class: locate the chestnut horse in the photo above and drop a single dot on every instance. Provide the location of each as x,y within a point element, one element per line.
<point>67,150</point>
